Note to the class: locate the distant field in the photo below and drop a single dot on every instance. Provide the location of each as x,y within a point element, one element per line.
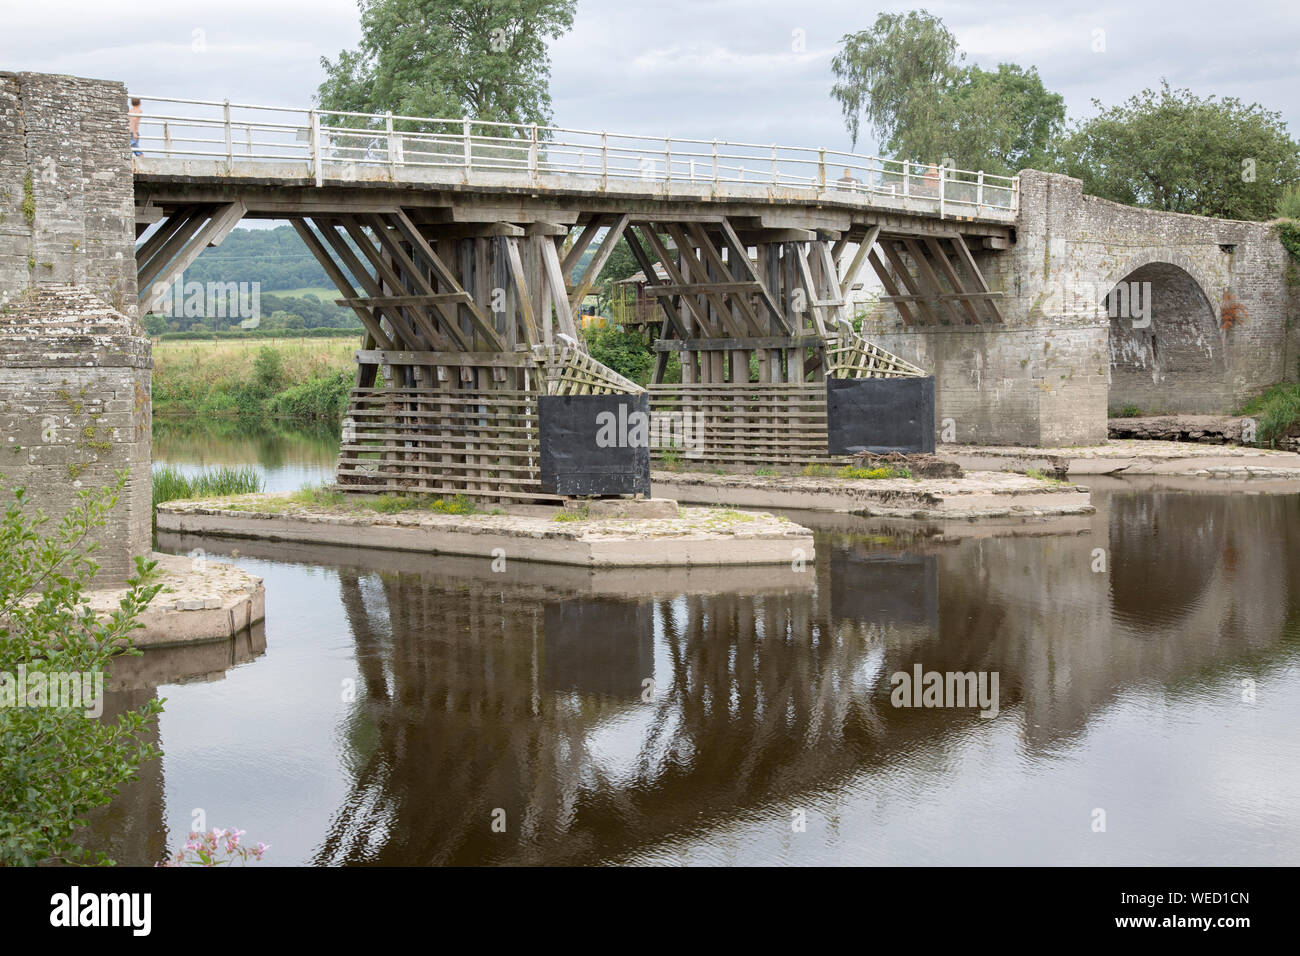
<point>296,352</point>
<point>308,378</point>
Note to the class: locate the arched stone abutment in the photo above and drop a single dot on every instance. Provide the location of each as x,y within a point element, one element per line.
<point>1167,350</point>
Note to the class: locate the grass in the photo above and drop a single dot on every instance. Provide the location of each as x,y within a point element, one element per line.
<point>307,380</point>
<point>765,471</point>
<point>1276,412</point>
<point>1126,411</point>
<point>318,496</point>
<point>573,514</point>
<point>1044,477</point>
<point>874,474</point>
<point>855,473</point>
<point>170,484</point>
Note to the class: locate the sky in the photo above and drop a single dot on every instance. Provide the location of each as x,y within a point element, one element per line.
<point>747,70</point>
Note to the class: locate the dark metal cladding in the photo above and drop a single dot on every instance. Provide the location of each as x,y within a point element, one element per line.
<point>880,415</point>
<point>595,444</point>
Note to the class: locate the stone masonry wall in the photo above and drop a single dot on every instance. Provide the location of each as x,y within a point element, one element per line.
<point>1045,377</point>
<point>74,365</point>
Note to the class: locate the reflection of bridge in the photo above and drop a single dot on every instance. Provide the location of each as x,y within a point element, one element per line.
<point>527,695</point>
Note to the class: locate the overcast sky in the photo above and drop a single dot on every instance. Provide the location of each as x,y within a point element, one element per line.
<point>727,68</point>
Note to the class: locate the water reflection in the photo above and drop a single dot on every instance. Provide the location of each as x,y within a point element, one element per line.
<point>681,715</point>
<point>288,456</point>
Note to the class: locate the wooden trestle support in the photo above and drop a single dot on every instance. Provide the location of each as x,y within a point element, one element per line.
<point>466,326</point>
<point>757,337</point>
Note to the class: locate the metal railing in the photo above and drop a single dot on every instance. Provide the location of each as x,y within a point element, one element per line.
<point>332,144</point>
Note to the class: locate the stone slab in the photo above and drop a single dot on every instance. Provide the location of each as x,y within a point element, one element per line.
<point>698,536</point>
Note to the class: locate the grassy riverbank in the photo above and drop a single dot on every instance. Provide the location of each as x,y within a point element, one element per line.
<point>1277,411</point>
<point>303,380</point>
<point>171,484</point>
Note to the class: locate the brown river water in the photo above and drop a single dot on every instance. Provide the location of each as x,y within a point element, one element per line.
<point>401,709</point>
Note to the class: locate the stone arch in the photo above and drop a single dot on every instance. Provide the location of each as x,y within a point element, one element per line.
<point>1166,347</point>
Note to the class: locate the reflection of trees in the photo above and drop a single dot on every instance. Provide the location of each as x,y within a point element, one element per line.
<point>240,441</point>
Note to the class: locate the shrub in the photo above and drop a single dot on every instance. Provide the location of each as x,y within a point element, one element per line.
<point>1288,204</point>
<point>60,762</point>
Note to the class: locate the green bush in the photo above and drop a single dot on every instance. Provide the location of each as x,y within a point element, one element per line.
<point>1288,204</point>
<point>623,350</point>
<point>1276,412</point>
<point>317,399</point>
<point>60,762</point>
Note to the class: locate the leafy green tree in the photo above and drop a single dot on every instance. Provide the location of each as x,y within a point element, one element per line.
<point>623,350</point>
<point>56,762</point>
<point>450,58</point>
<point>904,77</point>
<point>1170,149</point>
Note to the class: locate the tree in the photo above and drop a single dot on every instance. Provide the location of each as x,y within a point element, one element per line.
<point>1172,150</point>
<point>57,762</point>
<point>450,58</point>
<point>904,77</point>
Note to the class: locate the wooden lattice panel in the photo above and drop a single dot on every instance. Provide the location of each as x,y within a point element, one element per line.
<point>571,371</point>
<point>748,424</point>
<point>852,356</point>
<point>481,443</point>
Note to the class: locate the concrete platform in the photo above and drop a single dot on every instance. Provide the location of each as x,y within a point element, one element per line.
<point>698,536</point>
<point>974,496</point>
<point>200,601</point>
<point>1123,457</point>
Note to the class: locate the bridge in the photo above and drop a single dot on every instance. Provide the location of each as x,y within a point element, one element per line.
<point>456,242</point>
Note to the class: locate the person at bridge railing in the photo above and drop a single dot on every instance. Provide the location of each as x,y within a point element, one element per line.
<point>848,183</point>
<point>134,115</point>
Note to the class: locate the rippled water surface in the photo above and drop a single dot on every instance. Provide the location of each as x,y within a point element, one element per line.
<point>394,705</point>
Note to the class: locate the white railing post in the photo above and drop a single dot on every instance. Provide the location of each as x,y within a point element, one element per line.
<point>775,177</point>
<point>715,162</point>
<point>668,161</point>
<point>388,143</point>
<point>167,138</point>
<point>907,178</point>
<point>469,147</point>
<point>979,191</point>
<point>943,186</point>
<point>1015,195</point>
<point>230,150</point>
<point>532,153</point>
<point>821,169</point>
<point>604,162</point>
<point>316,165</point>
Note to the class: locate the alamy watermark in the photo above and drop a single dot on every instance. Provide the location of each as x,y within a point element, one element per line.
<point>215,300</point>
<point>659,430</point>
<point>75,690</point>
<point>946,689</point>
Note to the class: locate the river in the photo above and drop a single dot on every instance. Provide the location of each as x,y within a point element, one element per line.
<point>405,709</point>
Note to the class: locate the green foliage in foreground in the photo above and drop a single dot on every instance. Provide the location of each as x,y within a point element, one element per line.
<point>58,763</point>
<point>1127,411</point>
<point>170,484</point>
<point>1277,412</point>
